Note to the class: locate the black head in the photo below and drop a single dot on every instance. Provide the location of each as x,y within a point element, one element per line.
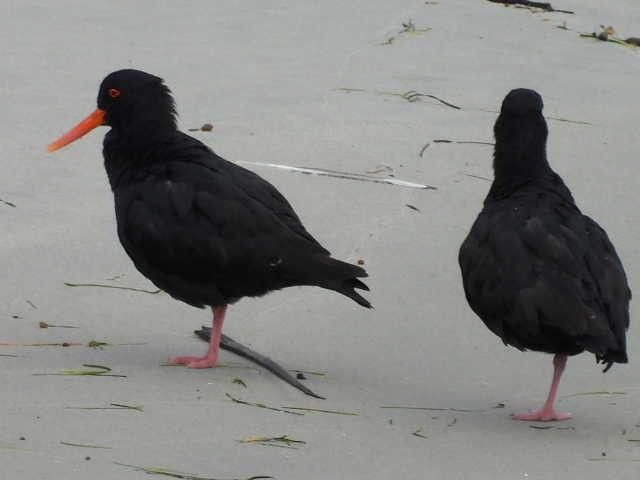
<point>522,101</point>
<point>521,135</point>
<point>138,106</point>
<point>521,118</point>
<point>130,97</point>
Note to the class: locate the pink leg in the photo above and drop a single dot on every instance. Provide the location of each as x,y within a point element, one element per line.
<point>211,358</point>
<point>547,413</point>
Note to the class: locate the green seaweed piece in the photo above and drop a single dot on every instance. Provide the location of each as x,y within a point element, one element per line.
<point>176,474</point>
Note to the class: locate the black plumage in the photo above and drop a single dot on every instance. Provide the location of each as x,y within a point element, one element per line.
<point>205,230</point>
<point>539,273</point>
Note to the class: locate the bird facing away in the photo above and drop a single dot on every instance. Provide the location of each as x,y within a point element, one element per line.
<point>540,274</point>
<point>205,230</point>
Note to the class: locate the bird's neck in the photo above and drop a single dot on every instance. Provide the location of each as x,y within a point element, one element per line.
<point>515,167</point>
<point>128,151</point>
<point>139,137</point>
<point>514,161</point>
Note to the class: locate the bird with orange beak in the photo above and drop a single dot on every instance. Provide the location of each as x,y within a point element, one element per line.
<point>203,229</point>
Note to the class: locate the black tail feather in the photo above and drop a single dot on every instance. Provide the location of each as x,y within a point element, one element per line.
<point>356,297</point>
<point>341,277</point>
<point>355,283</point>
<point>610,358</point>
<point>347,287</point>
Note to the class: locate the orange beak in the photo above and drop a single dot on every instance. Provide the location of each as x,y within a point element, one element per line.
<point>85,126</point>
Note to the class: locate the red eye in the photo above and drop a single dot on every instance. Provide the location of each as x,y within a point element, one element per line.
<point>114,93</point>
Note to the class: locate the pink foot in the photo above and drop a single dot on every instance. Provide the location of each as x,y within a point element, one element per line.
<point>211,358</point>
<point>195,362</point>
<point>544,415</point>
<point>547,413</point>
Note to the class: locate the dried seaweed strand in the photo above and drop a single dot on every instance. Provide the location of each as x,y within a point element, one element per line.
<point>319,374</point>
<point>127,407</point>
<point>606,37</point>
<point>410,96</point>
<point>176,474</point>
<point>84,445</point>
<point>407,28</point>
<point>115,406</point>
<point>337,412</point>
<point>101,285</point>
<point>609,459</point>
<point>48,325</point>
<point>63,344</point>
<point>101,372</point>
<point>471,142</point>
<point>283,441</point>
<point>423,149</point>
<point>480,177</point>
<point>601,392</point>
<point>418,433</point>
<point>431,409</point>
<point>527,3</point>
<point>260,405</point>
<point>566,120</point>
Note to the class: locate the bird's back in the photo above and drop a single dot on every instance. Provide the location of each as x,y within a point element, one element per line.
<point>542,275</point>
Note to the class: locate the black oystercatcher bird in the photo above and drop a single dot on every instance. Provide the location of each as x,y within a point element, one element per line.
<point>205,230</point>
<point>539,273</point>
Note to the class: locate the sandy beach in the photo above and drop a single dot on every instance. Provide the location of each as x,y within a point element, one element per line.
<point>374,90</point>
